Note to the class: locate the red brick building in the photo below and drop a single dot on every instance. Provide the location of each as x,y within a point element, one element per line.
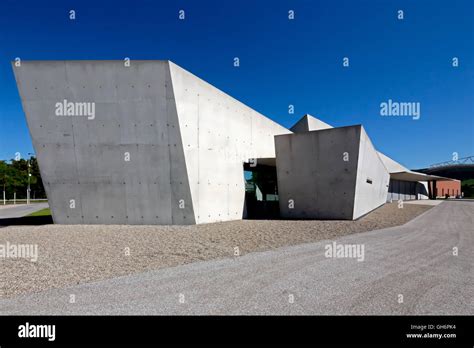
<point>452,188</point>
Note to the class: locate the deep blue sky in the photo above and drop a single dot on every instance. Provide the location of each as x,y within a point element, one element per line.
<point>283,62</point>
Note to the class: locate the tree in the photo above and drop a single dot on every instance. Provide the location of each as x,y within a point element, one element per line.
<point>4,175</point>
<point>14,178</point>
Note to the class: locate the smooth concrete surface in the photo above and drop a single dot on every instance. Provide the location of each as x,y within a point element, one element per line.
<point>83,161</point>
<point>320,172</point>
<point>372,178</point>
<point>186,142</point>
<point>20,210</point>
<point>219,134</point>
<point>414,260</point>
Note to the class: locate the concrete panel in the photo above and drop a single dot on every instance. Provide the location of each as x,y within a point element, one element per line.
<point>59,197</point>
<point>84,159</point>
<point>329,174</point>
<point>317,170</point>
<point>372,178</point>
<point>102,202</point>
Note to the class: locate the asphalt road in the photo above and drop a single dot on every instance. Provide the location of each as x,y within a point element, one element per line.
<point>20,210</point>
<point>415,261</point>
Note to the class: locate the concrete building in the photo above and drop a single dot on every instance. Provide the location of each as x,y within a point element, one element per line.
<point>151,143</point>
<point>332,173</point>
<point>407,184</point>
<point>336,173</point>
<point>163,146</point>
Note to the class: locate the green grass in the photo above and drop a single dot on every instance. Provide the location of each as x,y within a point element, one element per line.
<point>42,212</point>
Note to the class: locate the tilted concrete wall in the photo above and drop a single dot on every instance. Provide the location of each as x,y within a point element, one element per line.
<point>83,159</point>
<point>219,134</point>
<point>324,173</point>
<point>186,139</point>
<point>372,178</point>
<point>312,172</point>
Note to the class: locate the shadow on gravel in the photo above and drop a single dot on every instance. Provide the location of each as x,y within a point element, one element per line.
<point>26,220</point>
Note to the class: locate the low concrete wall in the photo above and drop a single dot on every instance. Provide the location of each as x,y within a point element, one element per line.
<point>323,174</point>
<point>317,172</point>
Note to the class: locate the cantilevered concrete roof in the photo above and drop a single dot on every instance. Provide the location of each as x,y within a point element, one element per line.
<point>400,172</point>
<point>409,175</point>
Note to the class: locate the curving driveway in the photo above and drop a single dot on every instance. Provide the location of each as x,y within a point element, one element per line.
<point>408,269</point>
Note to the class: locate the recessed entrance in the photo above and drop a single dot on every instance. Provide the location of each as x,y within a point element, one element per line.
<point>261,189</point>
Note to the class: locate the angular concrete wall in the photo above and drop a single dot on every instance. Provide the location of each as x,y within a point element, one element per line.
<point>312,172</point>
<point>186,140</point>
<point>83,159</point>
<point>219,134</point>
<point>324,174</point>
<point>372,178</point>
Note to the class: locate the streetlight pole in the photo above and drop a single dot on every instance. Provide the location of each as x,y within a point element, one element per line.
<point>29,176</point>
<point>4,186</point>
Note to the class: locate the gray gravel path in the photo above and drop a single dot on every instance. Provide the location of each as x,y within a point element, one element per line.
<point>415,260</point>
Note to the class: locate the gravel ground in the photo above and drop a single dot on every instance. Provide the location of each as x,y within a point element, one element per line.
<point>73,254</point>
